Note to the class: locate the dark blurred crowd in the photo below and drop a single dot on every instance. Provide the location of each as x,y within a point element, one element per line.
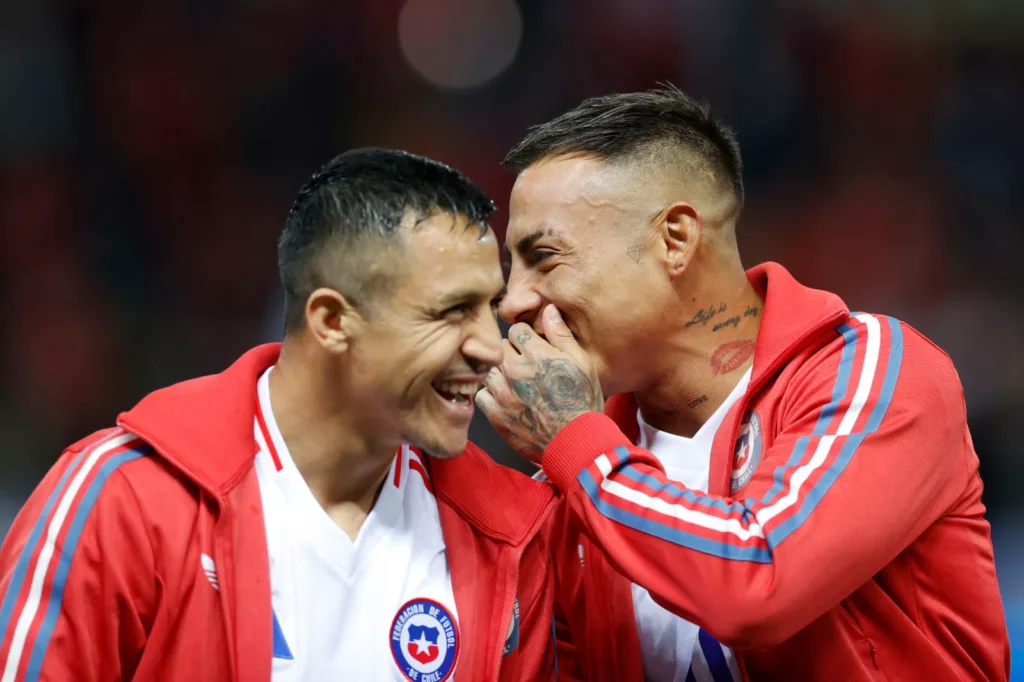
<point>149,152</point>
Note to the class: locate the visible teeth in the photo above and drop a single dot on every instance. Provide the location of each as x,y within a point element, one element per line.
<point>463,389</point>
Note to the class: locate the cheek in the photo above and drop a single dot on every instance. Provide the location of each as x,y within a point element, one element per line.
<point>392,362</point>
<point>429,355</point>
<point>580,299</point>
<point>611,310</point>
<point>570,289</point>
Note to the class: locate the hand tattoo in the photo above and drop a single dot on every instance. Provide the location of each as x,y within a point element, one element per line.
<point>566,387</point>
<point>526,391</point>
<point>561,391</point>
<point>523,337</point>
<point>524,419</point>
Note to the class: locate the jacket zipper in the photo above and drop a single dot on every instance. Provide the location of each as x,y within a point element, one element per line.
<point>224,577</point>
<point>507,606</point>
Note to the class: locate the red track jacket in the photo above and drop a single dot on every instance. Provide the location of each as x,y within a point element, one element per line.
<point>103,575</point>
<point>842,536</point>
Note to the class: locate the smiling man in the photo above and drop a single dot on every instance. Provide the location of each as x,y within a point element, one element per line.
<point>310,513</point>
<point>781,489</point>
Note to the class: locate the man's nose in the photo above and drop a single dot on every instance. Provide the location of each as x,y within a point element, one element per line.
<point>522,302</point>
<point>483,346</point>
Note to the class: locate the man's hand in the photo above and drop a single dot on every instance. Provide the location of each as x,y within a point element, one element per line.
<point>541,386</point>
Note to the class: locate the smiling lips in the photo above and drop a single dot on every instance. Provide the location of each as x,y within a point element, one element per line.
<point>730,356</point>
<point>458,392</point>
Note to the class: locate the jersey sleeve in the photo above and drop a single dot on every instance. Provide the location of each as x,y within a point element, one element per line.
<point>77,571</point>
<point>871,447</point>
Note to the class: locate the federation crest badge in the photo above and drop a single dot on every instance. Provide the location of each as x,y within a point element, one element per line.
<point>424,641</point>
<point>747,454</point>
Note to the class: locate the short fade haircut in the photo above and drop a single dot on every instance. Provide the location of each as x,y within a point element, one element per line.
<point>664,123</point>
<point>357,202</point>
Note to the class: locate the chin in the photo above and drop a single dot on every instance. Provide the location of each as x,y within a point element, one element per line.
<point>613,385</point>
<point>441,447</point>
<point>617,375</point>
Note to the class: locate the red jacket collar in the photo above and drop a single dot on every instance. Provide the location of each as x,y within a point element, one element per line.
<point>204,427</point>
<point>792,313</point>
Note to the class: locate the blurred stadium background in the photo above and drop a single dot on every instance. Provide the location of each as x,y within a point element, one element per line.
<point>149,152</point>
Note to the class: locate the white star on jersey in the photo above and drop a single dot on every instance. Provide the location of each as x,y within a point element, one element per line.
<point>422,645</point>
<point>335,598</point>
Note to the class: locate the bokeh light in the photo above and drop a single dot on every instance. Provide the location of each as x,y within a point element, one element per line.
<point>460,43</point>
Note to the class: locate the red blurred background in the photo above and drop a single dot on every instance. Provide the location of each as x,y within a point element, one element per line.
<point>149,152</point>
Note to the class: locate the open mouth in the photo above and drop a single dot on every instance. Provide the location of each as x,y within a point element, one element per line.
<point>458,393</point>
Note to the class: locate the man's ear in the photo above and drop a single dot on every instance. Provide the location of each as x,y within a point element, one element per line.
<point>679,225</point>
<point>333,320</point>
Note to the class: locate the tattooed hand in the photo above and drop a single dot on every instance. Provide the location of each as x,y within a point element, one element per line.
<point>541,386</point>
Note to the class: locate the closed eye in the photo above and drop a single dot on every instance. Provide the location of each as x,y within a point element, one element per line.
<point>538,255</point>
<point>459,310</point>
<point>470,305</point>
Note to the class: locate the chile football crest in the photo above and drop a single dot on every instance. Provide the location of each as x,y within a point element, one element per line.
<point>748,452</point>
<point>424,641</point>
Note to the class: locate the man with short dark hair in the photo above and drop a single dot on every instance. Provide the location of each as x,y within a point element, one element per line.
<point>310,513</point>
<point>795,479</point>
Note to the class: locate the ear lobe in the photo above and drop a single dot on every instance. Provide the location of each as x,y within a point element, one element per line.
<point>681,229</point>
<point>332,319</point>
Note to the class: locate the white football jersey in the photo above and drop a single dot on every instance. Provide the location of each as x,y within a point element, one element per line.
<point>674,649</point>
<point>379,608</point>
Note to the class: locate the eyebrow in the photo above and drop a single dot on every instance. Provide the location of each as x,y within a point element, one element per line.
<point>467,296</point>
<point>524,244</point>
